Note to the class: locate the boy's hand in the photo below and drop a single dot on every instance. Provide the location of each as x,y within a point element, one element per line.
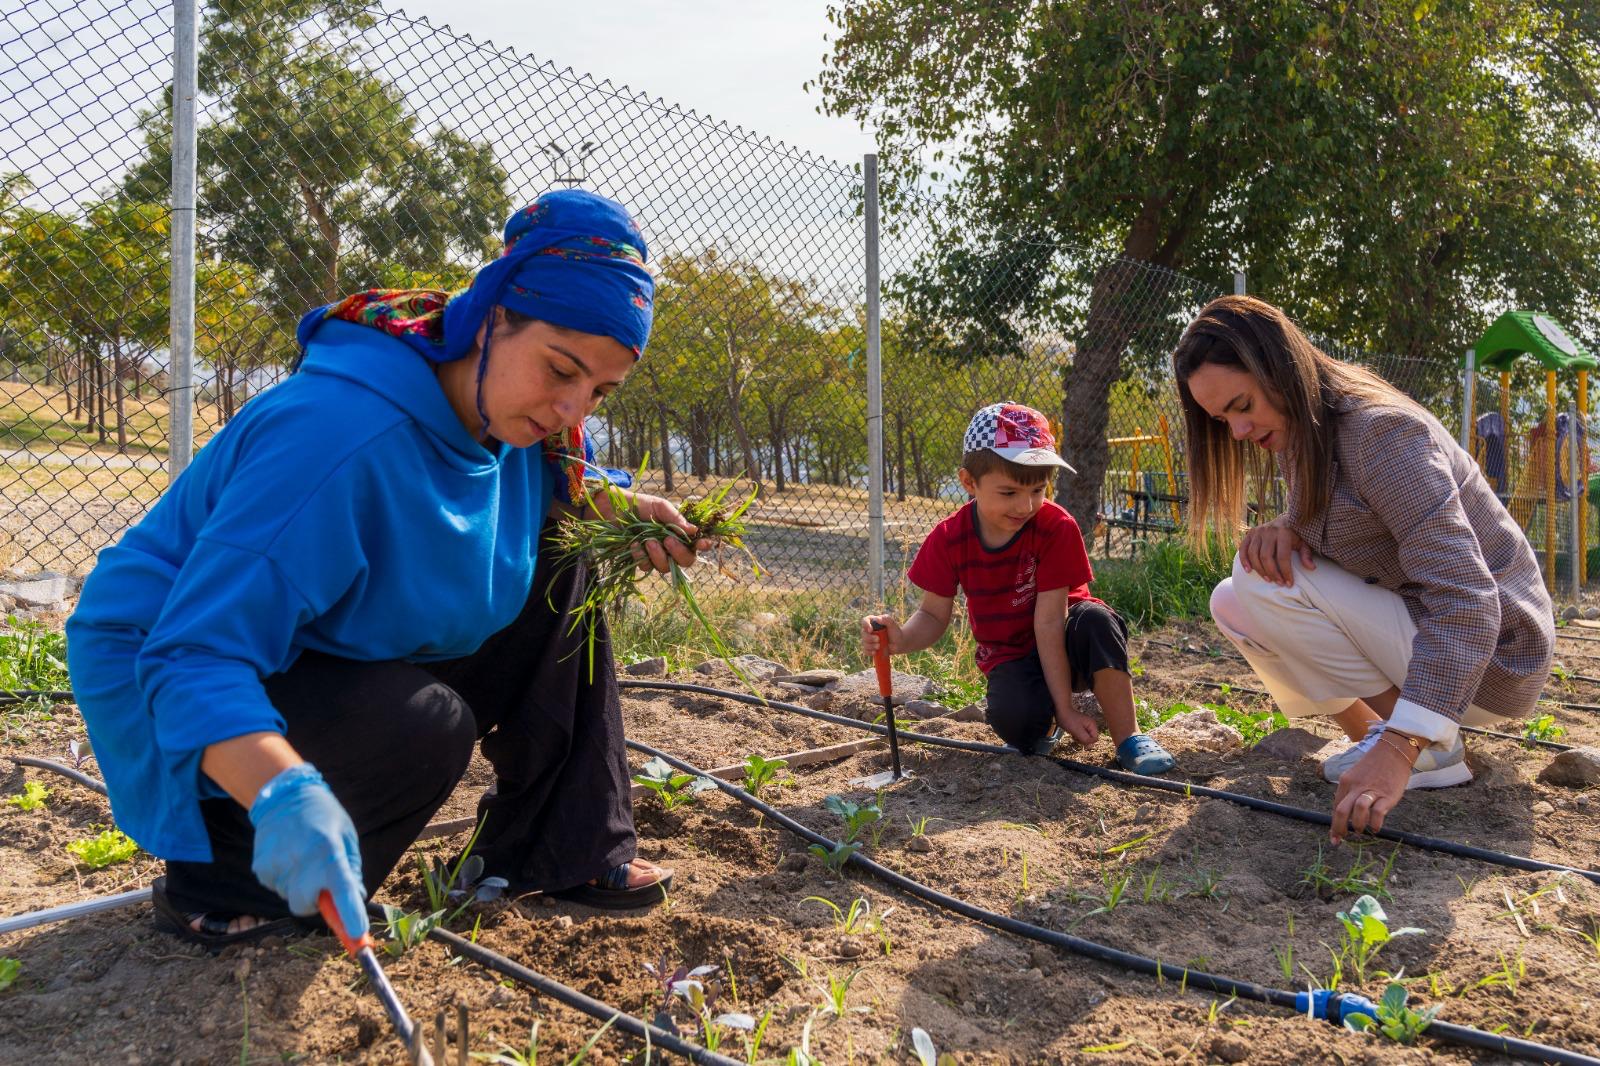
<point>870,637</point>
<point>1080,727</point>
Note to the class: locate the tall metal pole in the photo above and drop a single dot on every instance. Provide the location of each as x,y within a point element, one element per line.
<point>1575,496</point>
<point>185,49</point>
<point>1239,286</point>
<point>869,171</point>
<point>1469,398</point>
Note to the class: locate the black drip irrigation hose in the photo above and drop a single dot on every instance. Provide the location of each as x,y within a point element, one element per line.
<point>56,768</point>
<point>20,695</point>
<point>1323,1003</point>
<point>1186,789</point>
<point>622,1020</point>
<point>1476,730</point>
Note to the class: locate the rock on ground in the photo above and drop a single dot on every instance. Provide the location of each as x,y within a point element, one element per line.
<point>864,685</point>
<point>754,665</point>
<point>656,667</point>
<point>44,589</point>
<point>1198,729</point>
<point>1290,745</point>
<point>1577,768</point>
<point>811,678</point>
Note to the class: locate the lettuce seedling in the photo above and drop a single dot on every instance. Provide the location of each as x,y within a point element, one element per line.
<point>759,773</point>
<point>110,847</point>
<point>836,857</point>
<point>31,798</point>
<point>673,787</point>
<point>1395,1020</point>
<point>80,752</point>
<point>406,929</point>
<point>1366,931</point>
<point>9,969</point>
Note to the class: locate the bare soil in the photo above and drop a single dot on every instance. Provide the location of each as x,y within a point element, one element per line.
<point>1207,884</point>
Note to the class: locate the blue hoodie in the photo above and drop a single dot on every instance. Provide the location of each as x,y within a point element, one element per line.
<point>346,510</point>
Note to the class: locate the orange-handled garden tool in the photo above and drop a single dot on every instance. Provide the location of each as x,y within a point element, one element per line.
<point>361,951</point>
<point>880,660</point>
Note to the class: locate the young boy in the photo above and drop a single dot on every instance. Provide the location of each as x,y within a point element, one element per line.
<point>1022,564</point>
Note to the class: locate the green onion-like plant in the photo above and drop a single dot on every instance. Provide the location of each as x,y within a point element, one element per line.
<point>1395,1020</point>
<point>607,545</point>
<point>673,787</point>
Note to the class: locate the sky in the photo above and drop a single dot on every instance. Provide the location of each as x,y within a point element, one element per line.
<point>739,61</point>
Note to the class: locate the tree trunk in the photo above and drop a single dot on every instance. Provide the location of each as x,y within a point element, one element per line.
<point>98,399</point>
<point>666,447</point>
<point>122,394</point>
<point>924,489</point>
<point>900,448</point>
<point>699,443</point>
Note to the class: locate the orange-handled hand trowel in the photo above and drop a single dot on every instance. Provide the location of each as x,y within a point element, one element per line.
<point>361,951</point>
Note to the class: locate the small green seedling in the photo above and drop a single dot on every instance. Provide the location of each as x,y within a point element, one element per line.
<point>1509,976</point>
<point>835,857</point>
<point>836,992</point>
<point>857,816</point>
<point>673,787</point>
<point>110,847</point>
<point>927,1054</point>
<point>406,929</point>
<point>9,969</point>
<point>1395,1020</point>
<point>1543,728</point>
<point>848,922</point>
<point>529,1056</point>
<point>31,798</point>
<point>1366,931</point>
<point>759,773</point>
<point>713,1027</point>
<point>919,826</point>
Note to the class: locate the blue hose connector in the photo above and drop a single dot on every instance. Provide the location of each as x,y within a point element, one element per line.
<point>1333,1007</point>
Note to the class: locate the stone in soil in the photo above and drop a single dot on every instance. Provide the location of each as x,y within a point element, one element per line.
<point>972,712</point>
<point>44,589</point>
<point>1543,807</point>
<point>1198,730</point>
<point>864,685</point>
<point>920,844</point>
<point>924,709</point>
<point>656,667</point>
<point>813,678</point>
<point>1290,745</point>
<point>755,666</point>
<point>1577,768</point>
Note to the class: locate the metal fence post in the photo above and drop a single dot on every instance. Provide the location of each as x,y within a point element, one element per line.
<point>180,396</point>
<point>1469,397</point>
<point>869,171</point>
<point>1238,283</point>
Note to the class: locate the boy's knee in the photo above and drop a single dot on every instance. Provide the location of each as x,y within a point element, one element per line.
<point>443,731</point>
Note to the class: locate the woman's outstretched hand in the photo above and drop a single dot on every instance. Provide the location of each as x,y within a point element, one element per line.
<point>661,554</point>
<point>1268,551</point>
<point>1368,791</point>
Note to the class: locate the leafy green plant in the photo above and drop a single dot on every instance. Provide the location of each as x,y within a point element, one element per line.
<point>673,787</point>
<point>1394,1020</point>
<point>1543,728</point>
<point>9,969</point>
<point>32,656</point>
<point>607,545</point>
<point>31,798</point>
<point>406,929</point>
<point>836,857</point>
<point>109,847</point>
<point>713,1027</point>
<point>1366,931</point>
<point>1251,726</point>
<point>848,922</point>
<point>857,816</point>
<point>759,773</point>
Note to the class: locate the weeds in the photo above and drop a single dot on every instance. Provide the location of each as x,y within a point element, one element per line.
<point>31,798</point>
<point>1250,726</point>
<point>1365,876</point>
<point>1394,1019</point>
<point>1285,955</point>
<point>110,847</point>
<point>1509,976</point>
<point>529,1055</point>
<point>32,656</point>
<point>1543,728</point>
<point>673,787</point>
<point>836,992</point>
<point>9,969</point>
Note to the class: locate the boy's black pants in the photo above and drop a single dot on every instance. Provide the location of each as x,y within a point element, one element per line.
<point>392,739</point>
<point>1021,709</point>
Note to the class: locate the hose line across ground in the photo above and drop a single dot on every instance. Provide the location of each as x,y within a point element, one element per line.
<point>1416,840</point>
<point>1332,1005</point>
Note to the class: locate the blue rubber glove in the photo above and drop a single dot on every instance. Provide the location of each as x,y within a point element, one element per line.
<point>305,842</point>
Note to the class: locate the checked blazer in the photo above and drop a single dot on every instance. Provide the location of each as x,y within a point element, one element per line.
<point>1409,510</point>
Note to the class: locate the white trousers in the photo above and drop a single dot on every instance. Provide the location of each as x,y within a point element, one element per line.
<point>1326,641</point>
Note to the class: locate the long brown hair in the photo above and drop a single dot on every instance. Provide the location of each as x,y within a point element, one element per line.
<point>1306,384</point>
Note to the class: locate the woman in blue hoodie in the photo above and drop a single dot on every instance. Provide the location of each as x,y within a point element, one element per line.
<point>284,666</point>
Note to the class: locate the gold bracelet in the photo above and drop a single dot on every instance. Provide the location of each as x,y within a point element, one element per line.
<point>1415,749</point>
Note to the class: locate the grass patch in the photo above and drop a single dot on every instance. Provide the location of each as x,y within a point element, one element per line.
<point>1168,582</point>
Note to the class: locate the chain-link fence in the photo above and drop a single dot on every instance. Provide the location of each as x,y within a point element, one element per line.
<point>364,148</point>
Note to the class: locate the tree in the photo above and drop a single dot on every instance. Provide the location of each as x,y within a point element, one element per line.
<point>316,175</point>
<point>1093,142</point>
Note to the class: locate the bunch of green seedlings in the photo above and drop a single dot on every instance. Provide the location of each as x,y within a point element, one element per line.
<point>1395,1020</point>
<point>31,798</point>
<point>673,787</point>
<point>109,847</point>
<point>609,545</point>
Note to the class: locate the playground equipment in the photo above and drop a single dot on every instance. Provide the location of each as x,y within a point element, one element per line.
<point>1139,517</point>
<point>1541,481</point>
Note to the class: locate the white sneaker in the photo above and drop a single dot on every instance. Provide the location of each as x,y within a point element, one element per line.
<point>1436,767</point>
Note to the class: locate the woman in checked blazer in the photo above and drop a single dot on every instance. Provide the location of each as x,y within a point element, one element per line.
<point>1395,594</point>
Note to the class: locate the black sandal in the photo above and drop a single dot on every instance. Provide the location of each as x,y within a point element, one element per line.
<point>610,891</point>
<point>213,933</point>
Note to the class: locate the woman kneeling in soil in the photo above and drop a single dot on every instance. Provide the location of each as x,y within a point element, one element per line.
<point>284,666</point>
<point>1394,594</point>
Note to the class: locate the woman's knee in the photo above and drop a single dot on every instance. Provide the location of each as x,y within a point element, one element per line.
<point>441,729</point>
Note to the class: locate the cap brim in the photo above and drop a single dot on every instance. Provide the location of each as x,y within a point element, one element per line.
<point>1034,457</point>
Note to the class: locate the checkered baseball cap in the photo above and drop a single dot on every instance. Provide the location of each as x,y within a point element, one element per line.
<point>1013,431</point>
